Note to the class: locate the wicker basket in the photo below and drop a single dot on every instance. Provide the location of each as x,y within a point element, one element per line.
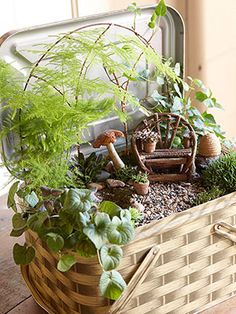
<point>181,264</point>
<point>209,146</point>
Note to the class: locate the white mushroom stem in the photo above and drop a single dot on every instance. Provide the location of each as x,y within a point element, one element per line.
<point>117,162</point>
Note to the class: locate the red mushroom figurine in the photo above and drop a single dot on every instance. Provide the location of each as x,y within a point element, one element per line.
<point>107,139</point>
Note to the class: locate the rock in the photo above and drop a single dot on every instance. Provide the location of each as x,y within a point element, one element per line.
<point>111,183</point>
<point>103,176</point>
<point>136,205</point>
<point>96,186</point>
<point>110,167</point>
<point>130,182</point>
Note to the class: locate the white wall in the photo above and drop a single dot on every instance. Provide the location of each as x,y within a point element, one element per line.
<point>15,14</point>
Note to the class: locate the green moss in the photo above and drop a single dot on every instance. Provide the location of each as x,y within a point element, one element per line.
<point>221,174</point>
<point>208,196</point>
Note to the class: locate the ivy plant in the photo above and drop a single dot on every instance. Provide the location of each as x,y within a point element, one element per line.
<point>73,221</point>
<point>181,98</point>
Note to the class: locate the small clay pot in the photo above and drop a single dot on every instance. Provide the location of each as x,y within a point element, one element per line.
<point>141,188</point>
<point>187,142</point>
<point>149,147</point>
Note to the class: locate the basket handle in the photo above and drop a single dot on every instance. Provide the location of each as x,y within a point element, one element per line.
<point>225,234</point>
<point>139,276</point>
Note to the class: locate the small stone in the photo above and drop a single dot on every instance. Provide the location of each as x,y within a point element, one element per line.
<point>110,167</point>
<point>96,186</point>
<point>111,183</point>
<point>137,205</point>
<point>103,176</point>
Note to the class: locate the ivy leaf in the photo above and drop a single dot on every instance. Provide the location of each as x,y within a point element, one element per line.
<point>110,208</point>
<point>18,222</point>
<point>66,262</point>
<point>11,196</point>
<point>177,69</point>
<point>97,232</point>
<point>84,218</point>
<point>161,8</point>
<point>197,82</point>
<point>186,87</point>
<point>54,241</point>
<point>23,255</point>
<point>110,256</point>
<point>198,123</point>
<point>209,118</point>
<point>156,96</point>
<point>72,200</point>
<point>78,200</point>
<point>120,231</point>
<point>35,222</point>
<point>86,248</point>
<point>160,80</point>
<point>209,103</point>
<point>32,199</point>
<point>177,89</point>
<point>112,284</point>
<point>178,105</point>
<point>200,96</point>
<point>17,233</point>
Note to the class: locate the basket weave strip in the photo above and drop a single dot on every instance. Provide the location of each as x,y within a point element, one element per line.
<point>196,268</point>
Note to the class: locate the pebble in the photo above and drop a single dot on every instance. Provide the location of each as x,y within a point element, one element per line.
<point>110,167</point>
<point>111,183</point>
<point>165,199</point>
<point>137,205</point>
<point>96,186</point>
<point>103,176</point>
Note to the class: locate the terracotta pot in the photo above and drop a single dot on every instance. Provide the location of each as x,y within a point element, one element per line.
<point>187,142</point>
<point>141,188</point>
<point>149,147</point>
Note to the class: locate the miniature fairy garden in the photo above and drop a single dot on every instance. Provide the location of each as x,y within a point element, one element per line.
<point>90,204</point>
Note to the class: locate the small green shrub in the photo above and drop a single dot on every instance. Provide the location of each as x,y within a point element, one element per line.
<point>125,174</point>
<point>208,196</point>
<point>85,170</point>
<point>141,177</point>
<point>221,174</point>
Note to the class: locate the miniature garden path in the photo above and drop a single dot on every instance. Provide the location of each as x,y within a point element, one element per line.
<point>14,295</point>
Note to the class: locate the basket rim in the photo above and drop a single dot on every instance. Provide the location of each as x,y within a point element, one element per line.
<point>178,219</point>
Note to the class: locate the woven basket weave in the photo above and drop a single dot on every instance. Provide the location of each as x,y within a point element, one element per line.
<point>209,146</point>
<point>181,264</point>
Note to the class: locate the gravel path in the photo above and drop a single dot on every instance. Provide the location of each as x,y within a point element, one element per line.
<point>164,199</point>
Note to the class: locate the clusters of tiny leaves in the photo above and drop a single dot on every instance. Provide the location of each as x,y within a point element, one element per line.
<point>71,222</point>
<point>63,97</point>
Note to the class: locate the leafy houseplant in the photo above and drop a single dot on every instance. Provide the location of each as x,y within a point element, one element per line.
<point>48,112</point>
<point>84,170</point>
<point>70,222</point>
<point>141,183</point>
<point>149,139</point>
<point>180,98</point>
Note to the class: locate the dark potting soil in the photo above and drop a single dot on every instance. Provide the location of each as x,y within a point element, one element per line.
<point>163,199</point>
